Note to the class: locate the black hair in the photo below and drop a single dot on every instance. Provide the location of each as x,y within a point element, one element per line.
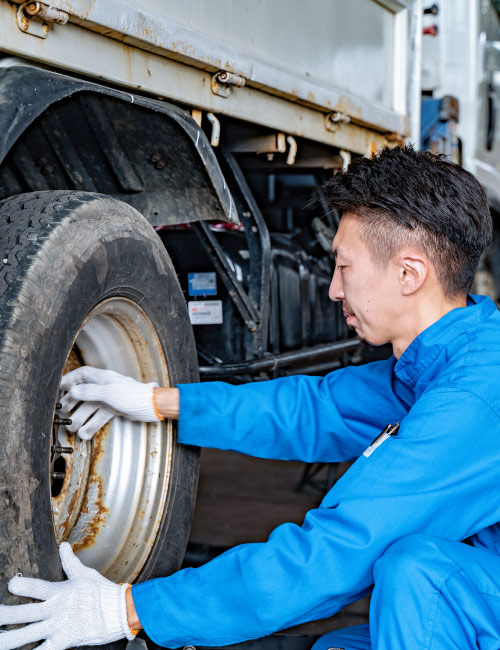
<point>402,196</point>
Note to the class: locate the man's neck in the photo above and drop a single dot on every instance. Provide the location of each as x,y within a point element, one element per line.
<point>422,315</point>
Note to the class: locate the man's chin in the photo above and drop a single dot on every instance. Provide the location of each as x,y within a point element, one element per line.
<point>365,342</point>
<point>370,344</point>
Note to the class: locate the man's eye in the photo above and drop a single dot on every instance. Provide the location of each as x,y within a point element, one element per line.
<point>340,267</point>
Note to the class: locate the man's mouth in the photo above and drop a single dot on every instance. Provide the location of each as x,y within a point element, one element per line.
<point>349,316</point>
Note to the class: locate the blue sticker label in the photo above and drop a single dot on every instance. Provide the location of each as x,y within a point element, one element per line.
<point>202,284</point>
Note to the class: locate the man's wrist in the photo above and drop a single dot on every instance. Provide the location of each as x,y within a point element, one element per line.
<point>132,618</point>
<point>167,402</point>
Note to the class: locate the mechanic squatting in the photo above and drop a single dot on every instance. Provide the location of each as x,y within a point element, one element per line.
<point>412,232</point>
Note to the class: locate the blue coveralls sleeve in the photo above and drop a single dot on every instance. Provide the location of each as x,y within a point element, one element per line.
<point>435,477</point>
<point>330,418</point>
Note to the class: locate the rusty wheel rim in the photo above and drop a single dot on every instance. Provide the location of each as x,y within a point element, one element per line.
<point>112,491</point>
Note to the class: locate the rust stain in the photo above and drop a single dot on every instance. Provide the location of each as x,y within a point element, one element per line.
<point>94,487</point>
<point>72,362</point>
<point>72,503</point>
<point>128,63</point>
<point>63,526</point>
<point>71,506</point>
<point>93,526</point>
<point>83,8</point>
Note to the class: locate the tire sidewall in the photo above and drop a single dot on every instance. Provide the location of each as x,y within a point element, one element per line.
<point>100,249</point>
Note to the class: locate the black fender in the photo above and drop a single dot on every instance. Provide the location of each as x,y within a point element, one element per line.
<point>62,132</point>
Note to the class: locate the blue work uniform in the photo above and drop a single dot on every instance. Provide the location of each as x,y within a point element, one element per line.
<point>438,476</point>
<point>430,593</point>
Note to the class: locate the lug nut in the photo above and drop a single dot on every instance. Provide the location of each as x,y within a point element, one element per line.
<point>58,475</point>
<point>64,421</point>
<point>58,406</point>
<point>64,450</point>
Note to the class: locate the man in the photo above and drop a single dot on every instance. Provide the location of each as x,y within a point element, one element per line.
<point>410,238</point>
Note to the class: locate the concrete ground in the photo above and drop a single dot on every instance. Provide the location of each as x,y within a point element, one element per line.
<point>242,499</point>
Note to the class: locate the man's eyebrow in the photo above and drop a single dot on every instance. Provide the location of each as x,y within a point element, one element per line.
<point>338,252</point>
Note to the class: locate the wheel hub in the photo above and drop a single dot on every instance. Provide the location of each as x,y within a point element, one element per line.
<point>108,494</point>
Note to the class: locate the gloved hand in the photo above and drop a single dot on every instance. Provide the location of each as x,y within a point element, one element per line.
<point>86,609</point>
<point>104,394</point>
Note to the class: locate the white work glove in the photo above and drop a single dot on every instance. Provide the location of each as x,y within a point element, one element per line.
<point>104,394</point>
<point>86,609</point>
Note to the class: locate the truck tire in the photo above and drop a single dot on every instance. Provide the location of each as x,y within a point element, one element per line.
<point>84,279</point>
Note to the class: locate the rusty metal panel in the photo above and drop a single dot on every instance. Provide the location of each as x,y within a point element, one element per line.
<point>82,52</point>
<point>334,55</point>
<point>290,45</point>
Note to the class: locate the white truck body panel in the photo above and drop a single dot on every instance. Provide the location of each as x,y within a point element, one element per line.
<point>300,58</point>
<point>288,47</point>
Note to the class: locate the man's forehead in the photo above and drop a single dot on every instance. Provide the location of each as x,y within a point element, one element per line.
<point>347,236</point>
<point>338,249</point>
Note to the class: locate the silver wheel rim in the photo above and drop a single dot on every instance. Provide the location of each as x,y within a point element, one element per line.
<point>114,491</point>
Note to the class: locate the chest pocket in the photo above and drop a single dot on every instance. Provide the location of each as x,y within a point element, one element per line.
<point>390,430</point>
<point>360,477</point>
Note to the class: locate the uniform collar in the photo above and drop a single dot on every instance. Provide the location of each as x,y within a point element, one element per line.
<point>419,360</point>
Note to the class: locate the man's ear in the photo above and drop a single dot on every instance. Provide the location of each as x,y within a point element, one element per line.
<point>413,268</point>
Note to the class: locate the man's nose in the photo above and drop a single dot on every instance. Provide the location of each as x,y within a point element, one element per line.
<point>336,291</point>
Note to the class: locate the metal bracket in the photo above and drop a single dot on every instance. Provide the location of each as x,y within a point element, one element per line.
<point>259,245</point>
<point>197,116</point>
<point>238,295</point>
<point>395,139</point>
<point>269,144</point>
<point>215,135</point>
<point>334,119</point>
<point>346,158</point>
<point>33,18</point>
<point>222,83</point>
<point>280,146</point>
<point>292,152</point>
